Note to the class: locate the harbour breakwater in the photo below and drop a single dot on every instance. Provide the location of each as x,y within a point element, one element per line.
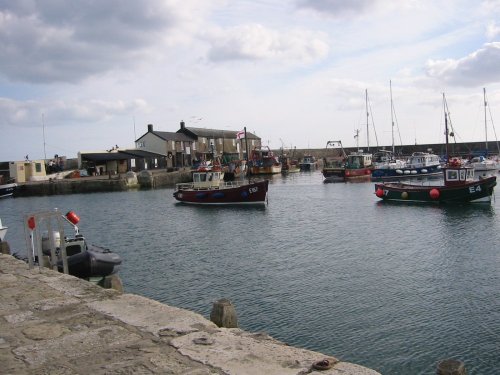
<point>55,323</point>
<point>106,183</point>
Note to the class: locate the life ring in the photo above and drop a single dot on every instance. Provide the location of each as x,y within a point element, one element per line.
<point>169,156</point>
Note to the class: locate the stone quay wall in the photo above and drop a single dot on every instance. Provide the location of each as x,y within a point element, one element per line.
<point>52,323</point>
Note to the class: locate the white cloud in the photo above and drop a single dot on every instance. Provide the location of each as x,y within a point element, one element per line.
<point>53,41</point>
<point>478,68</point>
<point>256,42</point>
<point>492,31</point>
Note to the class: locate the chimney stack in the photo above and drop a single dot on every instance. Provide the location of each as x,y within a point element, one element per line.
<point>150,128</point>
<point>183,125</point>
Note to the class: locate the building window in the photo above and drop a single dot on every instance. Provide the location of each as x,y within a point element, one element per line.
<point>156,163</point>
<point>38,167</point>
<point>194,146</point>
<point>173,145</point>
<point>220,141</point>
<point>203,140</point>
<point>141,144</point>
<point>132,163</point>
<point>234,142</point>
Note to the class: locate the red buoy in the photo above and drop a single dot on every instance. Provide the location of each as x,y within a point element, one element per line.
<point>31,223</point>
<point>434,193</point>
<point>72,217</point>
<point>379,193</point>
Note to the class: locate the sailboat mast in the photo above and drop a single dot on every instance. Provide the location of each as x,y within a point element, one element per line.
<point>485,124</point>
<point>367,122</point>
<point>392,118</point>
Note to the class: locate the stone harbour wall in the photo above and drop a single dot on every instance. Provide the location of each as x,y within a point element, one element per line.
<point>52,323</point>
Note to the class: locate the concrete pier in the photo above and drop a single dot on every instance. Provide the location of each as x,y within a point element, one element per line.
<point>52,323</point>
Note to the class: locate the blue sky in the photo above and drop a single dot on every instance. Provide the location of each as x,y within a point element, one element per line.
<point>92,75</point>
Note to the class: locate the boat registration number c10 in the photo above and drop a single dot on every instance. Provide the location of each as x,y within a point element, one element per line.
<point>253,189</point>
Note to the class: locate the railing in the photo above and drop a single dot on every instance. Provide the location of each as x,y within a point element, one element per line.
<point>35,225</point>
<point>222,185</point>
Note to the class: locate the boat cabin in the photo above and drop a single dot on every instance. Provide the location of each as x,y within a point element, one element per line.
<point>457,174</point>
<point>422,159</point>
<point>358,160</point>
<point>207,180</point>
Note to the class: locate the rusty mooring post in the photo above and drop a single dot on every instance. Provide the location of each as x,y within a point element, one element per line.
<point>451,367</point>
<point>224,314</point>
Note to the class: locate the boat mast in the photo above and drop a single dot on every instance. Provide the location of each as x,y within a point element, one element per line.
<point>446,128</point>
<point>485,124</point>
<point>392,118</point>
<point>367,122</point>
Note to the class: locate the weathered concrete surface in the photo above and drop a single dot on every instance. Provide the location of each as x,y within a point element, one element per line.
<point>51,323</point>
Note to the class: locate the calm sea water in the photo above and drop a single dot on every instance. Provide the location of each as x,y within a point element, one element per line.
<point>327,267</point>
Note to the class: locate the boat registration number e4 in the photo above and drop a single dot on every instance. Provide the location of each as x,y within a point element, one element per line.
<point>474,189</point>
<point>253,190</point>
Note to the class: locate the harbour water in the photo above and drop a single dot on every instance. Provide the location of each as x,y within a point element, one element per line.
<point>327,267</point>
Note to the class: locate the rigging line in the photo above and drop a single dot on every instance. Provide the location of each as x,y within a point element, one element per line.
<point>397,124</point>
<point>492,124</point>
<point>373,122</point>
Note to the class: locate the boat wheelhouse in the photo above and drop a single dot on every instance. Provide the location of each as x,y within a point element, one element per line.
<point>358,166</point>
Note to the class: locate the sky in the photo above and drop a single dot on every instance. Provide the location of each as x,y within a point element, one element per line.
<point>90,75</point>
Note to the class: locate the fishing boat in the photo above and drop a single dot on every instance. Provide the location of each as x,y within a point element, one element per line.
<point>459,186</point>
<point>263,161</point>
<point>3,231</point>
<point>209,188</point>
<point>308,163</point>
<point>7,190</point>
<point>68,254</point>
<point>334,162</point>
<point>358,166</point>
<point>419,164</point>
<point>288,165</point>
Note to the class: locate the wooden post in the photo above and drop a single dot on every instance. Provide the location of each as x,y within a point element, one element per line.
<point>451,367</point>
<point>4,247</point>
<point>112,282</point>
<point>224,314</point>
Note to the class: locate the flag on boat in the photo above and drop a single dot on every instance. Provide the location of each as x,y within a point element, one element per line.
<point>240,134</point>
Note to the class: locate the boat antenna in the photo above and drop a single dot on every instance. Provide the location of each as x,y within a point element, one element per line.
<point>446,127</point>
<point>246,147</point>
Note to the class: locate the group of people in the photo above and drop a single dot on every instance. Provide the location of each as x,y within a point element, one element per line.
<point>55,165</point>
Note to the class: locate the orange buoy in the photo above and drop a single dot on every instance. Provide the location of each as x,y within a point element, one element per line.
<point>379,193</point>
<point>72,217</point>
<point>434,193</point>
<point>404,195</point>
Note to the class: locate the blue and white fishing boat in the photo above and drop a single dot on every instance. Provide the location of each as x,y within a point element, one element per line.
<point>419,164</point>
